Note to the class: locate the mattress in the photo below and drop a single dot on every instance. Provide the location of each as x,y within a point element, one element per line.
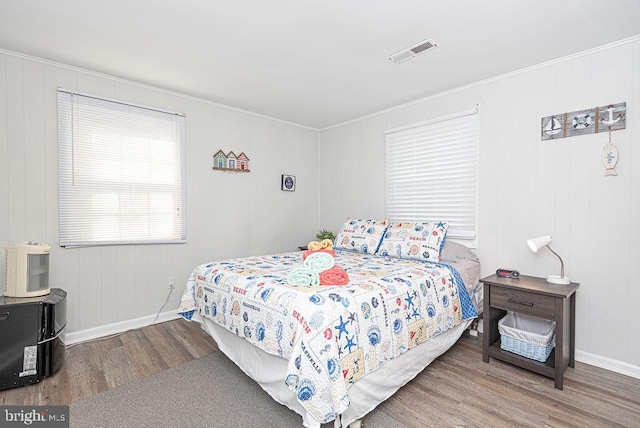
<point>332,341</point>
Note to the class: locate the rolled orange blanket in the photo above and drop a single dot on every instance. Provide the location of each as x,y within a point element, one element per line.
<point>334,276</point>
<point>307,252</point>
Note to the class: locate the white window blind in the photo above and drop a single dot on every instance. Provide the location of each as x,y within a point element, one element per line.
<point>431,172</point>
<point>122,177</point>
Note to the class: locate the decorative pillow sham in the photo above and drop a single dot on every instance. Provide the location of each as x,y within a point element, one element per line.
<point>422,241</point>
<point>363,236</point>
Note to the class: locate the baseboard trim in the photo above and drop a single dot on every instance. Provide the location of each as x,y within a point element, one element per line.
<point>608,364</point>
<point>118,327</point>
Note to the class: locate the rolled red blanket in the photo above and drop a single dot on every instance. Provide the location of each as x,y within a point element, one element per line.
<point>307,252</point>
<point>334,276</point>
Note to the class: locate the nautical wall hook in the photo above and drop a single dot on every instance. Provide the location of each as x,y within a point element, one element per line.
<point>610,121</point>
<point>590,121</point>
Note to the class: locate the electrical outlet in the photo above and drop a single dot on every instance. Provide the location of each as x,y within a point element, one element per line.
<point>172,281</point>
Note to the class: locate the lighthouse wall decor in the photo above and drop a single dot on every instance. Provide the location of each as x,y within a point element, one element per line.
<point>591,121</point>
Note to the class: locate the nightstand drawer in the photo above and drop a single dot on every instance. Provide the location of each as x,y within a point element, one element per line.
<point>523,301</point>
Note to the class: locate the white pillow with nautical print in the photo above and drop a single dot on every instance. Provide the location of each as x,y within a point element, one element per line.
<point>422,241</point>
<point>363,236</point>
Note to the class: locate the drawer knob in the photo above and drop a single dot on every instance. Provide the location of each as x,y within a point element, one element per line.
<point>519,302</point>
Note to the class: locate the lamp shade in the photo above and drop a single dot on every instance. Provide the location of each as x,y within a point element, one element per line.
<point>543,241</point>
<point>540,242</point>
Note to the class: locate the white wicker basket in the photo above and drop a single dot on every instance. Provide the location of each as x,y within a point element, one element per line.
<point>526,335</point>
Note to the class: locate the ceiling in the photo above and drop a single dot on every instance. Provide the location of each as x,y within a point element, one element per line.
<point>313,63</point>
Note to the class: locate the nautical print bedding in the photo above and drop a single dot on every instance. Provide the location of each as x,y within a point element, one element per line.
<point>330,335</point>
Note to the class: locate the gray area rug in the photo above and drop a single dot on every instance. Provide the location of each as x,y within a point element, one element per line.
<point>183,397</point>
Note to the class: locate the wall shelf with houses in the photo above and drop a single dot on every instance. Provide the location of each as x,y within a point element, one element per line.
<point>230,162</point>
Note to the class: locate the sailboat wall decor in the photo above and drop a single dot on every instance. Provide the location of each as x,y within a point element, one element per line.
<point>591,121</point>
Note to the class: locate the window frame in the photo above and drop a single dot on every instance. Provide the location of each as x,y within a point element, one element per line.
<point>463,227</point>
<point>122,172</point>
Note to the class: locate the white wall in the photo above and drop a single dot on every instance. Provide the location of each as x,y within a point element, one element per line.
<point>530,187</point>
<point>229,214</point>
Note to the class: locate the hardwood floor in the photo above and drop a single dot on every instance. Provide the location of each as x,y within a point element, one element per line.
<point>501,395</point>
<point>97,366</point>
<point>458,389</point>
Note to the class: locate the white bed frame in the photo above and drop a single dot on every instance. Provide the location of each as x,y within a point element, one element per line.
<point>269,371</point>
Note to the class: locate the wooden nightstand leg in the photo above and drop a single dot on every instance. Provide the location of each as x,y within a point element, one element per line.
<point>486,323</point>
<point>559,380</point>
<point>561,342</point>
<point>572,333</point>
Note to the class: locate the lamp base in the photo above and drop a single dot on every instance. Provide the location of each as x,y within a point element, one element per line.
<point>557,279</point>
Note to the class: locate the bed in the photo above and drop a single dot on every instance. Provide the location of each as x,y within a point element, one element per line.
<point>334,352</point>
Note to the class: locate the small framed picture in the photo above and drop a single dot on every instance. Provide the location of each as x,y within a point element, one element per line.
<point>288,183</point>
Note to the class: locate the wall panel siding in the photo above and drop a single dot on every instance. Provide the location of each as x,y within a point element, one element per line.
<point>229,214</point>
<point>34,145</point>
<point>530,187</point>
<point>4,158</point>
<point>16,168</point>
<point>631,247</point>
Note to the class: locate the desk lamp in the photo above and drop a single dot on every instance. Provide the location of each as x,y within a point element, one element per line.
<point>543,241</point>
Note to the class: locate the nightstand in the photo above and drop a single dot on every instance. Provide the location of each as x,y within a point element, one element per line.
<point>533,296</point>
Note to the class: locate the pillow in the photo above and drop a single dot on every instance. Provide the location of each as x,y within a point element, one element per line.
<point>363,236</point>
<point>421,241</point>
<point>454,251</point>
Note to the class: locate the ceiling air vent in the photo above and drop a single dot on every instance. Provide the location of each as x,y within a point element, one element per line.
<point>412,51</point>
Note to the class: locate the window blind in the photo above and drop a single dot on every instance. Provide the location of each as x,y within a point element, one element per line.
<point>431,173</point>
<point>122,177</point>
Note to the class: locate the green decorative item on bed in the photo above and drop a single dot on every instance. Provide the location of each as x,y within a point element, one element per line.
<point>325,234</point>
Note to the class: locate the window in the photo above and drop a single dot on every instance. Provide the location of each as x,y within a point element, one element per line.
<point>122,176</point>
<point>431,172</point>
